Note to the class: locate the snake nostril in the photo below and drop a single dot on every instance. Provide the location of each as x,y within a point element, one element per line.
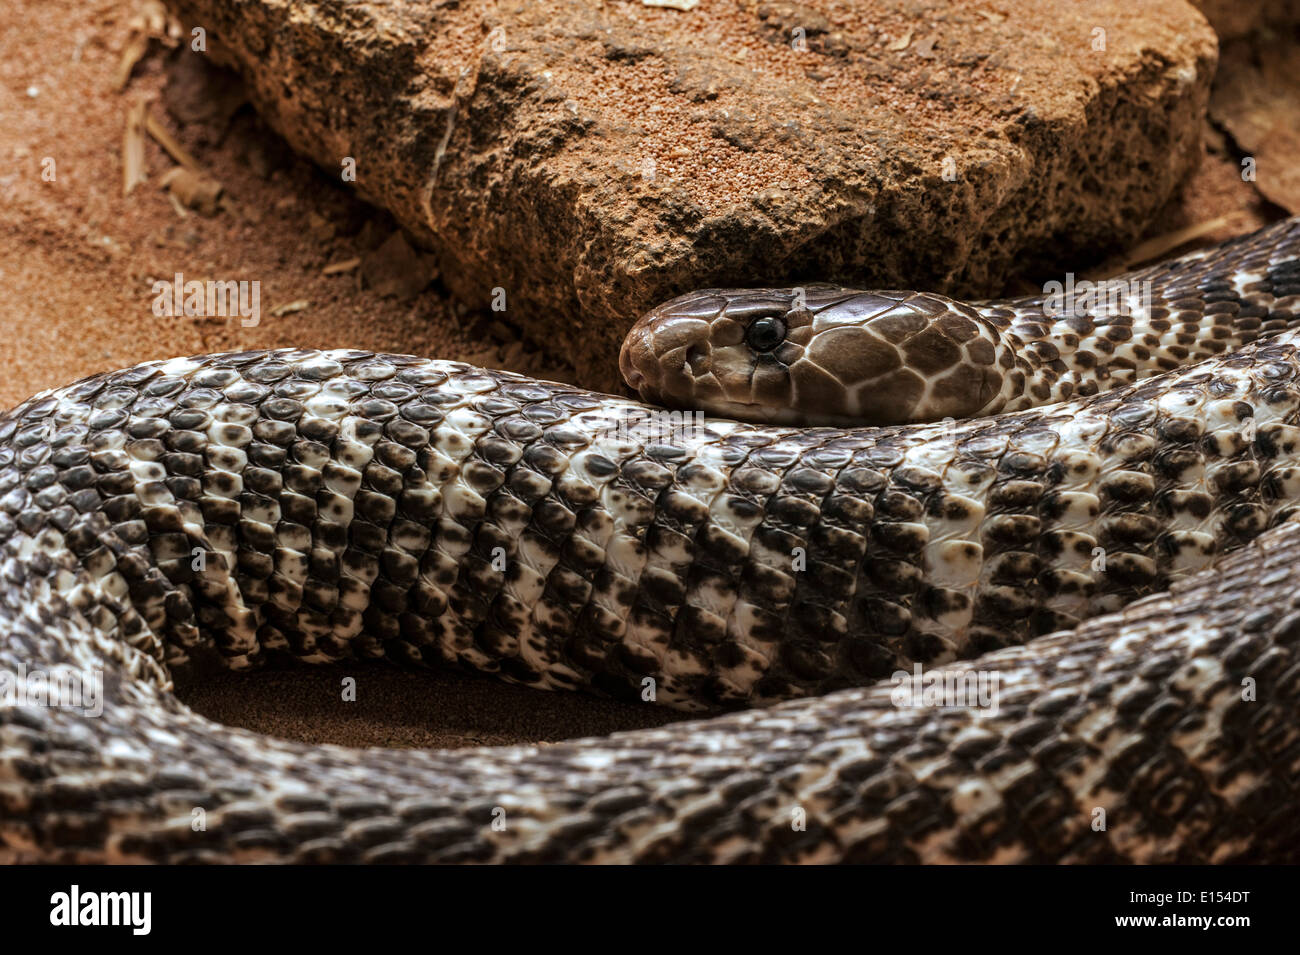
<point>697,359</point>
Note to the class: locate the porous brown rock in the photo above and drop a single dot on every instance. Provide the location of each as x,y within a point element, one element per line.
<point>1256,99</point>
<point>589,160</point>
<point>1233,19</point>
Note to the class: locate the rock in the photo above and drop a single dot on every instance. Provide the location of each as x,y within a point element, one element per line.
<point>1232,19</point>
<point>594,159</point>
<point>198,93</point>
<point>261,149</point>
<point>395,270</point>
<point>1257,100</point>
<point>374,231</point>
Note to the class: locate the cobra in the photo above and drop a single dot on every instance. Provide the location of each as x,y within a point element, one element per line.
<point>1104,537</point>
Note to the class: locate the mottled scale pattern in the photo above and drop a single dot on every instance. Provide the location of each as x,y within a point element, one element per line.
<point>852,357</point>
<point>1124,563</point>
<point>1206,304</point>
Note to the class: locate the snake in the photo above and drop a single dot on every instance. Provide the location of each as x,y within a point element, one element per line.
<point>935,581</point>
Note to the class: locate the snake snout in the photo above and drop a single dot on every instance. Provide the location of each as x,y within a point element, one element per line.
<point>720,351</point>
<point>665,358</point>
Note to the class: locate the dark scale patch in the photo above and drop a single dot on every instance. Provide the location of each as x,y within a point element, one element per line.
<point>554,519</point>
<point>788,509</point>
<point>899,506</point>
<point>262,481</point>
<point>1179,544</point>
<point>1236,477</point>
<point>885,617</point>
<point>1014,567</point>
<point>582,555</point>
<point>839,543</point>
<point>507,512</point>
<point>648,475</point>
<point>367,536</point>
<point>189,442</point>
<point>318,430</point>
<point>902,538</point>
<point>774,587</point>
<point>419,504</point>
<point>1245,520</point>
<point>545,460</point>
<point>939,601</point>
<point>1127,487</point>
<point>861,481</point>
<point>1274,485</point>
<point>527,485</point>
<point>923,647</point>
<point>878,457</point>
<point>1179,430</point>
<point>231,435</point>
<point>950,508</point>
<point>740,507</point>
<point>301,479</point>
<point>918,480</point>
<point>894,576</point>
<point>1055,543</point>
<point>665,588</point>
<point>282,409</point>
<point>1014,495</point>
<point>828,583</point>
<point>106,420</point>
<point>848,510</point>
<point>599,466</point>
<point>1172,463</point>
<point>1022,463</point>
<point>1130,529</point>
<point>346,480</point>
<point>377,508</point>
<point>1010,530</point>
<point>406,434</point>
<point>808,481</point>
<point>142,429</point>
<point>777,539</point>
<point>383,480</point>
<point>818,623</point>
<point>1054,506</point>
<point>1132,570</point>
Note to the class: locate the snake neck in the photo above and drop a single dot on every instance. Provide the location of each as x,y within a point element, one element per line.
<point>1081,337</point>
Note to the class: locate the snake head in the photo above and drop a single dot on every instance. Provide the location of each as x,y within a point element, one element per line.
<point>819,355</point>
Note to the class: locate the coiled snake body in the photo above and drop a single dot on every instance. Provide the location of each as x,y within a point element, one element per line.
<point>1110,536</point>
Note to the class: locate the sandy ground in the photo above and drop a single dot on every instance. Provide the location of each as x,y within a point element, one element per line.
<point>77,265</point>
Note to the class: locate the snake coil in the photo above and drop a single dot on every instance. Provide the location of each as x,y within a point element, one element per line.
<point>339,504</point>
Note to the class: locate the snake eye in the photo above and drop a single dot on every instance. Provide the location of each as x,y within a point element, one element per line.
<point>765,333</point>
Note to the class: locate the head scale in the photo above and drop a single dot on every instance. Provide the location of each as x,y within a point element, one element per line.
<point>818,355</point>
